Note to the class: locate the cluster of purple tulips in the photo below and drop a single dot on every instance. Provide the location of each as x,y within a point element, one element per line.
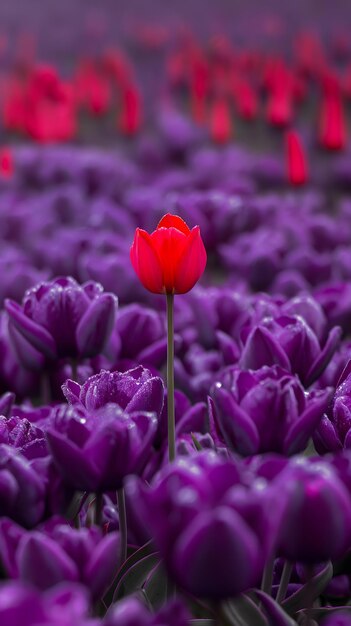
<point>250,524</point>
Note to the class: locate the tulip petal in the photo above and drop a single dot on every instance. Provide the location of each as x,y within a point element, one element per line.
<point>170,244</point>
<point>344,374</point>
<point>74,464</point>
<point>146,262</point>
<point>10,537</point>
<point>194,420</point>
<point>102,566</point>
<point>238,430</point>
<point>302,429</point>
<point>43,563</point>
<point>37,335</point>
<point>96,325</point>
<point>261,348</point>
<point>155,354</point>
<point>71,391</point>
<point>29,356</point>
<point>217,541</point>
<point>111,453</point>
<point>325,438</point>
<point>192,263</point>
<point>149,397</point>
<point>318,367</point>
<point>174,221</point>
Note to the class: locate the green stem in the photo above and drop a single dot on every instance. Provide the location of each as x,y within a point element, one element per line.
<point>170,377</point>
<point>74,369</point>
<point>123,531</point>
<point>284,581</point>
<point>45,388</point>
<point>267,578</point>
<point>98,508</point>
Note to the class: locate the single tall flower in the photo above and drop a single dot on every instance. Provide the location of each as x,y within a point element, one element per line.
<point>170,260</point>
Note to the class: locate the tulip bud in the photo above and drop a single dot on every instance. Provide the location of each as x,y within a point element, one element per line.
<point>171,259</point>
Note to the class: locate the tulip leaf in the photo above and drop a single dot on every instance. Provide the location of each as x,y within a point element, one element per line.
<point>276,616</point>
<point>141,553</point>
<point>78,500</point>
<point>155,587</point>
<point>135,576</point>
<point>242,611</point>
<point>137,555</point>
<point>322,612</point>
<point>309,592</point>
<point>202,622</point>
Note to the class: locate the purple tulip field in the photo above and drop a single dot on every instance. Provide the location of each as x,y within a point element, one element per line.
<point>175,313</point>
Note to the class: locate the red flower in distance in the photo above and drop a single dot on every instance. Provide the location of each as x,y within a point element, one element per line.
<point>170,260</point>
<point>296,162</point>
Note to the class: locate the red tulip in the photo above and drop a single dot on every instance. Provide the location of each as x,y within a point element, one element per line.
<point>220,121</point>
<point>130,118</point>
<point>170,260</point>
<point>297,170</point>
<point>6,163</point>
<point>280,107</point>
<point>246,100</point>
<point>332,124</point>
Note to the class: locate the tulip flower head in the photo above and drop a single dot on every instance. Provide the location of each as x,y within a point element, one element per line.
<point>170,260</point>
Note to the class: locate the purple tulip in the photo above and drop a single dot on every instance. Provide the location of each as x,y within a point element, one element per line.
<point>96,450</point>
<point>20,433</point>
<point>205,522</point>
<point>335,299</point>
<point>139,336</point>
<point>103,267</point>
<point>58,553</point>
<point>266,410</point>
<point>190,419</point>
<point>289,283</point>
<point>23,605</point>
<point>198,369</point>
<point>134,390</point>
<point>290,342</point>
<point>18,274</point>
<point>314,492</point>
<point>204,314</point>
<point>60,318</point>
<point>22,491</point>
<point>334,431</point>
<point>257,256</point>
<point>336,367</point>
<point>315,267</point>
<point>13,376</point>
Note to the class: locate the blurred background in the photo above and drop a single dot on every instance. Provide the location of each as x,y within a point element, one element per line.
<point>105,70</point>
